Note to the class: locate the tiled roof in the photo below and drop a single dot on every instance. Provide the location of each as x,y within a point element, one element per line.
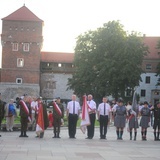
<point>57,57</point>
<point>151,42</point>
<point>22,14</point>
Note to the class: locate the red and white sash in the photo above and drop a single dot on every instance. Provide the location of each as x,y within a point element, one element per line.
<point>23,104</point>
<point>58,110</point>
<point>92,110</point>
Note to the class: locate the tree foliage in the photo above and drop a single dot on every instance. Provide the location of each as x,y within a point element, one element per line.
<point>107,61</point>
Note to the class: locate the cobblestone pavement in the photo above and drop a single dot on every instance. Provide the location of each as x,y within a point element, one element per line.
<point>14,148</point>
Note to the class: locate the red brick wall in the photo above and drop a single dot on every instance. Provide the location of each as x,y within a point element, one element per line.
<point>21,32</point>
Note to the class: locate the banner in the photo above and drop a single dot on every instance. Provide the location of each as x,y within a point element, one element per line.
<point>85,120</point>
<point>40,119</point>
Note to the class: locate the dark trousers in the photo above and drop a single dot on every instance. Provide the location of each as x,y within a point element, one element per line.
<point>56,125</point>
<point>103,126</point>
<point>72,123</point>
<point>24,123</point>
<point>90,128</point>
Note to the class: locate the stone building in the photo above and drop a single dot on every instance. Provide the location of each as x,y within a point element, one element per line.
<point>28,70</point>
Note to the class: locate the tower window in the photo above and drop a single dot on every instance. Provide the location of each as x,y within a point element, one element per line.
<point>14,46</point>
<point>19,80</point>
<point>26,47</point>
<point>20,62</point>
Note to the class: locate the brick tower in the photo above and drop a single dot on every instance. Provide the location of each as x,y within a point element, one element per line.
<point>21,41</point>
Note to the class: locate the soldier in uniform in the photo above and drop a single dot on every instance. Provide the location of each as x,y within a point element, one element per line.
<point>156,125</point>
<point>2,106</point>
<point>24,114</point>
<point>57,117</point>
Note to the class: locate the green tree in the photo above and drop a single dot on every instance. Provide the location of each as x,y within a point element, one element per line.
<point>107,61</point>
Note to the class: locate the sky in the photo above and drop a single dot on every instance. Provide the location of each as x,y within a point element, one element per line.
<point>64,20</point>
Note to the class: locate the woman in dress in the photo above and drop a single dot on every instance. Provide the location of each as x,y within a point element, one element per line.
<point>133,122</point>
<point>145,119</point>
<point>120,119</point>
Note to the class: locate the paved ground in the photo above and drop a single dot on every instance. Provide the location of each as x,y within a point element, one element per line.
<point>14,148</point>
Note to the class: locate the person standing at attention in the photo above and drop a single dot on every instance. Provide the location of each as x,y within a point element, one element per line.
<point>58,114</point>
<point>73,111</point>
<point>120,119</point>
<point>104,115</point>
<point>145,119</point>
<point>2,106</point>
<point>92,116</point>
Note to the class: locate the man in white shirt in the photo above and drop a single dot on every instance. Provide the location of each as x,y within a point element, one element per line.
<point>104,114</point>
<point>92,116</point>
<point>34,107</point>
<point>73,111</point>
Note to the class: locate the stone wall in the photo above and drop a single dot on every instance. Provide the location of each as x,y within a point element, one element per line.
<point>12,90</point>
<point>55,85</point>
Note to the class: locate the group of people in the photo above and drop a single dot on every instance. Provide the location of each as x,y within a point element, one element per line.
<point>33,110</point>
<point>121,115</point>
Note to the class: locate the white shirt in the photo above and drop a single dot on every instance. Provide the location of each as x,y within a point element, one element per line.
<point>70,107</point>
<point>34,106</point>
<point>101,109</point>
<point>91,104</point>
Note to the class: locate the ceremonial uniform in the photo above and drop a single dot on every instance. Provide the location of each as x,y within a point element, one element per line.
<point>145,119</point>
<point>92,116</point>
<point>104,111</point>
<point>25,112</point>
<point>132,123</point>
<point>57,119</point>
<point>73,108</point>
<point>156,125</point>
<point>120,119</point>
<point>2,106</point>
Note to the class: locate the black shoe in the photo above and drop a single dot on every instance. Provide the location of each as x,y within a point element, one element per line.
<point>58,137</point>
<point>36,136</point>
<point>21,136</point>
<point>54,137</point>
<point>0,136</point>
<point>25,136</point>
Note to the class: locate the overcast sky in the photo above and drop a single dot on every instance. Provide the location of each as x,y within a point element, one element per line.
<point>64,20</point>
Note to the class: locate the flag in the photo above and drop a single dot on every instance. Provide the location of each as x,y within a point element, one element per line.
<point>134,102</point>
<point>85,120</point>
<point>40,119</point>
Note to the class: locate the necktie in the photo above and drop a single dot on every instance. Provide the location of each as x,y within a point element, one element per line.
<point>73,107</point>
<point>104,109</point>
